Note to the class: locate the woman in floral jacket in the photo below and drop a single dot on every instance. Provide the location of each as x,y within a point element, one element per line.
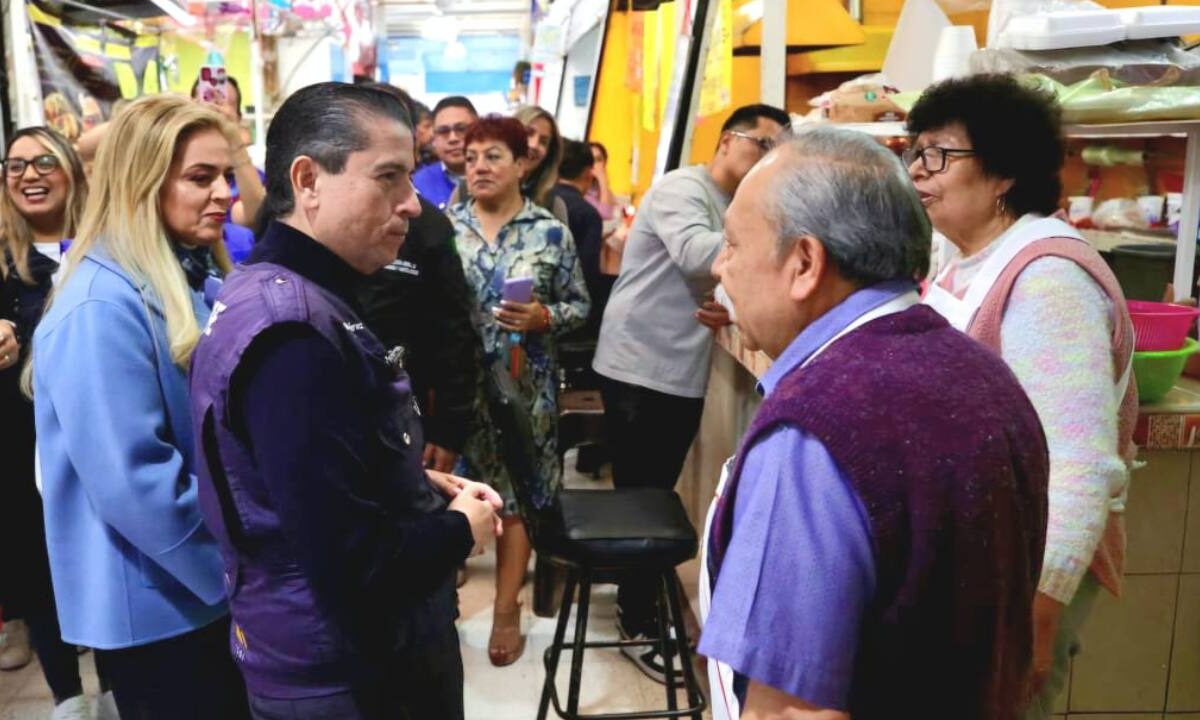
<point>503,236</point>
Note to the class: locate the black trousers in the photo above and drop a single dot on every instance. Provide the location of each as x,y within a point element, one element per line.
<point>59,660</point>
<point>424,682</point>
<point>188,677</point>
<point>26,591</point>
<point>649,434</point>
<point>29,595</point>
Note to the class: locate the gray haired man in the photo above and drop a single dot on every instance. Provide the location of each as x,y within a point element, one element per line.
<point>895,471</point>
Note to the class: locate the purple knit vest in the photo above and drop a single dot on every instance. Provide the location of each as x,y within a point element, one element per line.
<point>948,457</point>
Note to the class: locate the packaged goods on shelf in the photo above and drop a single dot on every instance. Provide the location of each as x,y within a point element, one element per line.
<point>1144,62</point>
<point>1103,99</point>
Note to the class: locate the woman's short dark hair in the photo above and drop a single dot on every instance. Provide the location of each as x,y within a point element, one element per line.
<point>1015,130</point>
<point>600,146</point>
<point>509,131</point>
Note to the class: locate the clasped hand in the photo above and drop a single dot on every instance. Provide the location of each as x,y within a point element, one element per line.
<point>10,349</point>
<point>480,503</point>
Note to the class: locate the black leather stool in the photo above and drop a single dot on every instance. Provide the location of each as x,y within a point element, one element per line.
<point>602,534</point>
<point>599,535</point>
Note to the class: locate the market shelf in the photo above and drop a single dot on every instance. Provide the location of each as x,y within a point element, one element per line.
<point>1189,220</point>
<point>1153,128</point>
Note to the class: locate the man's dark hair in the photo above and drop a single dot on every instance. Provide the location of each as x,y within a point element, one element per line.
<point>410,105</point>
<point>231,80</point>
<point>326,122</point>
<point>421,111</point>
<point>1015,131</point>
<point>577,159</point>
<point>747,116</point>
<point>457,101</point>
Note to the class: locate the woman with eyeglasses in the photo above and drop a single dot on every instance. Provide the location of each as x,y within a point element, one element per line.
<point>44,194</point>
<point>985,158</point>
<point>136,573</point>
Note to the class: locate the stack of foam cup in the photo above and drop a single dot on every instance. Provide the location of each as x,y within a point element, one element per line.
<point>953,55</point>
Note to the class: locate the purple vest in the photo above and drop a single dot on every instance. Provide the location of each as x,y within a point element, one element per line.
<point>948,457</point>
<point>285,643</point>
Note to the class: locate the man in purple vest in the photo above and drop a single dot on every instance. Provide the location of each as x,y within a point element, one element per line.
<point>875,547</point>
<point>339,547</point>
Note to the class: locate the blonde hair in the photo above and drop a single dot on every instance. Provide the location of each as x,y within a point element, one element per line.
<point>123,213</point>
<point>544,177</point>
<point>16,235</point>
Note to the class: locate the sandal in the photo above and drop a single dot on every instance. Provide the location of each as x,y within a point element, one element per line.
<point>506,643</point>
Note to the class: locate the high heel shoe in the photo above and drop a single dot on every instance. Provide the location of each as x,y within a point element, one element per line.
<point>506,643</point>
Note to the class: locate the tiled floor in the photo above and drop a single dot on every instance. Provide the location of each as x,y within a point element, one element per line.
<point>24,695</point>
<point>610,683</point>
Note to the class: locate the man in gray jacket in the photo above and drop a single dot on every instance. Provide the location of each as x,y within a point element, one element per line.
<point>654,348</point>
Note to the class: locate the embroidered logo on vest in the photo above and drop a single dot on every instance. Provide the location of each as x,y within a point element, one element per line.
<point>241,647</point>
<point>404,266</point>
<point>218,308</point>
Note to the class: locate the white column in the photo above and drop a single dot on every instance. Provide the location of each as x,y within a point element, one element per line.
<point>257,91</point>
<point>25,91</point>
<point>1189,219</point>
<point>774,52</point>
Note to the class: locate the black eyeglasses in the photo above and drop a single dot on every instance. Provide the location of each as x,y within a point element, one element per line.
<point>933,158</point>
<point>445,130</point>
<point>42,165</point>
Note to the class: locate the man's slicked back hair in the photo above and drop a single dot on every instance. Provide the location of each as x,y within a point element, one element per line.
<point>326,122</point>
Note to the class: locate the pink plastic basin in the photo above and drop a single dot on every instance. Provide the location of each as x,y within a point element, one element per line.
<point>1160,326</point>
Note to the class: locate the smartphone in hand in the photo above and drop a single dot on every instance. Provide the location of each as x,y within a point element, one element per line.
<point>211,86</point>
<point>518,290</point>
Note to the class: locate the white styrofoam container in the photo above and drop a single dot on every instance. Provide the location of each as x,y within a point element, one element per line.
<point>1062,29</point>
<point>1160,21</point>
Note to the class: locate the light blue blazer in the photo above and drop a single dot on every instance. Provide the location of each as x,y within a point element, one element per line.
<point>131,560</point>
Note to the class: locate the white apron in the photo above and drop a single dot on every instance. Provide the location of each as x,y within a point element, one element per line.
<point>720,676</point>
<point>960,313</point>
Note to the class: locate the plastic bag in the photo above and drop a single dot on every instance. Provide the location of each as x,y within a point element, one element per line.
<point>1102,99</point>
<point>1002,11</point>
<point>1119,213</point>
<point>863,105</point>
<point>1136,62</point>
<point>869,80</point>
<point>860,100</point>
